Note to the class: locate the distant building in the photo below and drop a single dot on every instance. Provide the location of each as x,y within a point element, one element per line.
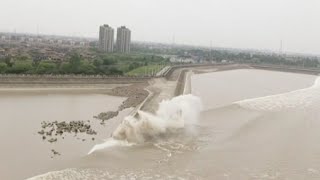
<point>123,40</point>
<point>106,38</point>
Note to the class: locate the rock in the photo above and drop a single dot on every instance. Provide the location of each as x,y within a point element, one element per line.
<point>41,132</point>
<point>91,132</point>
<point>55,152</point>
<point>49,133</point>
<point>107,115</point>
<point>82,130</point>
<point>60,132</point>
<point>52,140</point>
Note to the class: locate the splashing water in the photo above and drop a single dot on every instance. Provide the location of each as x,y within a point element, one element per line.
<point>304,99</point>
<point>172,116</point>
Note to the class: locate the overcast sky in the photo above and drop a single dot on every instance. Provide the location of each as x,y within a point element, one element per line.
<point>258,24</point>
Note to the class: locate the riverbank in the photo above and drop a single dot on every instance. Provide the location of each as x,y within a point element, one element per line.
<point>176,81</point>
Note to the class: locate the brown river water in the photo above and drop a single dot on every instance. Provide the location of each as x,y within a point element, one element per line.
<point>252,124</point>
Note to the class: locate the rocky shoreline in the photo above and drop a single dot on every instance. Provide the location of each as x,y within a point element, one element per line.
<point>135,94</point>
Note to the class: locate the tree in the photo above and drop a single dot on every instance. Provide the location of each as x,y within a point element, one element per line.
<point>107,61</point>
<point>8,61</point>
<point>133,65</point>
<point>65,68</point>
<point>3,67</point>
<point>46,68</point>
<point>115,71</point>
<point>97,62</point>
<point>75,62</point>
<point>87,68</point>
<point>21,67</point>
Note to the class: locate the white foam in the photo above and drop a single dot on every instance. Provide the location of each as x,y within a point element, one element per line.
<point>303,99</point>
<point>317,82</point>
<point>109,143</point>
<point>172,115</point>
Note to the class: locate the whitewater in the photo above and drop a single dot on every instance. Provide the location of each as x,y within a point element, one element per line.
<point>181,112</point>
<point>307,99</point>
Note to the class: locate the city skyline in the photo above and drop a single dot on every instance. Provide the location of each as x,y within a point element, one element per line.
<point>107,41</point>
<point>245,24</point>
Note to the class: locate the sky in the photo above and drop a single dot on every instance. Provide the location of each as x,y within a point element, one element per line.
<point>247,24</point>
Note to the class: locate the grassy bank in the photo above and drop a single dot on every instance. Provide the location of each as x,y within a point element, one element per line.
<point>145,70</point>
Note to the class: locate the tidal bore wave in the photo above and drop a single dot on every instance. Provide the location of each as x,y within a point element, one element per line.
<point>173,115</point>
<point>306,99</point>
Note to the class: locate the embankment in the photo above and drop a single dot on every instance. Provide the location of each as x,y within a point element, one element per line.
<point>68,79</point>
<point>182,71</point>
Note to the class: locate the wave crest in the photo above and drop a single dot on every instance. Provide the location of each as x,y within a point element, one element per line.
<point>303,99</point>
<point>172,115</point>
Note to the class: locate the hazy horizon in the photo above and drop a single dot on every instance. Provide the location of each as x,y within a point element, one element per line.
<point>245,24</point>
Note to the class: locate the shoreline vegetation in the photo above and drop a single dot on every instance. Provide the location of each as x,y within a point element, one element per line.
<point>114,64</point>
<point>144,60</point>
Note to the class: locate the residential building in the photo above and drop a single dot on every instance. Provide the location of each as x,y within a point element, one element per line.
<point>123,40</point>
<point>106,38</point>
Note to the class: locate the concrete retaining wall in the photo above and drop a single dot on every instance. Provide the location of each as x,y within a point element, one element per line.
<point>30,79</point>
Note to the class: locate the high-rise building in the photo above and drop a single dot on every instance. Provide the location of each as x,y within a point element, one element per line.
<point>106,38</point>
<point>123,40</point>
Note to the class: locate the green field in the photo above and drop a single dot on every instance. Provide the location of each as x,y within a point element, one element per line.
<point>145,70</point>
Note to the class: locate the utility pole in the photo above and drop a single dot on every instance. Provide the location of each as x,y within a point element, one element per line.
<point>211,50</point>
<point>173,40</point>
<point>37,30</point>
<point>280,50</point>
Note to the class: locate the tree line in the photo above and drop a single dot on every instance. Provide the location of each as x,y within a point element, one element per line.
<point>112,64</point>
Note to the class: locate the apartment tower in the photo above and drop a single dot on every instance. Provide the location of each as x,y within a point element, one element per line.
<point>106,38</point>
<point>123,40</point>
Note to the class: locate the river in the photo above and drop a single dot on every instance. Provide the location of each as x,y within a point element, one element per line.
<point>252,124</point>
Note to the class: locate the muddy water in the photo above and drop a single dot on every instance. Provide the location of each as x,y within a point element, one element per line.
<point>23,152</point>
<point>255,125</point>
